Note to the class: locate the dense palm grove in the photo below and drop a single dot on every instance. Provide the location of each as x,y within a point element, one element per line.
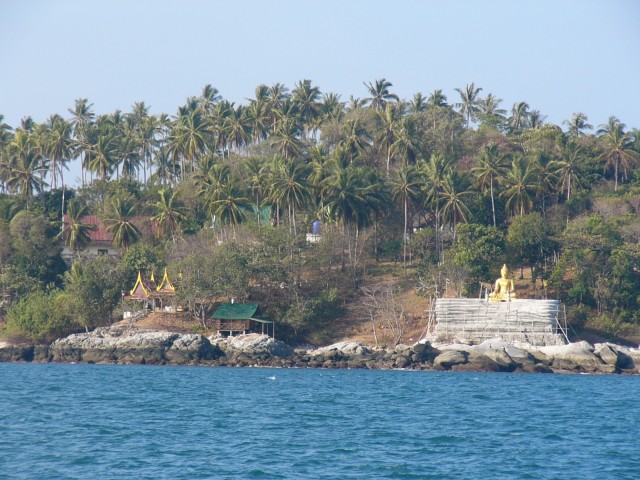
<point>441,193</point>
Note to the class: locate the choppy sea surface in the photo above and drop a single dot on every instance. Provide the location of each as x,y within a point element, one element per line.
<point>145,422</point>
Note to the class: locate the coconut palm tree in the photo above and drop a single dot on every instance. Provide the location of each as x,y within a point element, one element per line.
<point>618,152</point>
<point>469,104</point>
<point>255,181</point>
<point>230,206</point>
<point>405,187</point>
<point>418,103</point>
<point>237,127</point>
<point>492,165</point>
<point>490,112</point>
<point>355,138</point>
<point>519,117</point>
<point>521,186</point>
<point>568,168</point>
<point>24,175</point>
<point>577,125</point>
<point>169,214</point>
<point>408,144</point>
<point>291,188</point>
<point>188,138</point>
<point>452,199</point>
<point>350,199</point>
<point>286,138</point>
<point>331,108</point>
<point>388,125</point>
<point>82,120</point>
<point>380,94</point>
<point>437,99</point>
<point>307,100</point>
<point>77,234</point>
<point>118,214</point>
<point>59,146</point>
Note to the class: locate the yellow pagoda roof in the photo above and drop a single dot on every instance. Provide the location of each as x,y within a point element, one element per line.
<point>165,285</point>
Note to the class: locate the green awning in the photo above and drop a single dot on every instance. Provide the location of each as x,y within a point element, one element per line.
<point>235,311</point>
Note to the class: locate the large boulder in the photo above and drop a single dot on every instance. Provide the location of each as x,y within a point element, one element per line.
<point>16,353</point>
<point>255,344</point>
<point>126,345</point>
<point>579,357</point>
<point>449,358</point>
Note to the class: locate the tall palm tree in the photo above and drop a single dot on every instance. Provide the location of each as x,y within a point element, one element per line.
<point>255,181</point>
<point>490,112</point>
<point>59,146</point>
<point>380,94</point>
<point>237,127</point>
<point>118,215</point>
<point>492,165</point>
<point>188,138</point>
<point>520,186</point>
<point>286,138</point>
<point>469,102</point>
<point>577,125</point>
<point>291,188</point>
<point>102,150</point>
<point>350,199</point>
<point>618,152</point>
<point>77,234</point>
<point>82,119</point>
<point>405,186</point>
<point>418,103</point>
<point>331,108</point>
<point>437,99</point>
<point>388,125</point>
<point>355,138</point>
<point>434,172</point>
<point>519,117</point>
<point>24,174</point>
<point>169,214</point>
<point>568,168</point>
<point>230,206</point>
<point>408,144</point>
<point>306,98</point>
<point>452,198</point>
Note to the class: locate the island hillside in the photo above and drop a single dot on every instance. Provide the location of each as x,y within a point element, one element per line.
<point>342,219</point>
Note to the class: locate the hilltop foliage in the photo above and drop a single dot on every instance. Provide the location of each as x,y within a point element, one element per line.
<point>448,191</point>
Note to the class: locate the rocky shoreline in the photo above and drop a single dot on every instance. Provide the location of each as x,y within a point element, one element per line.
<point>124,345</point>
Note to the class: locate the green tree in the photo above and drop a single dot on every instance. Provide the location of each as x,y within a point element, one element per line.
<point>77,234</point>
<point>405,186</point>
<point>469,104</point>
<point>618,152</point>
<point>577,125</point>
<point>491,167</point>
<point>520,187</point>
<point>380,94</point>
<point>529,243</point>
<point>169,214</point>
<point>118,219</point>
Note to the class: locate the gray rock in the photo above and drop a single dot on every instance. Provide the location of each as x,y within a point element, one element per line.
<point>577,356</point>
<point>450,358</point>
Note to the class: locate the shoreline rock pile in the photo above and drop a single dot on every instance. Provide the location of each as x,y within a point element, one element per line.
<point>119,344</point>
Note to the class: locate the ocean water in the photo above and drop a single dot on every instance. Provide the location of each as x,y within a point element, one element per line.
<point>146,422</point>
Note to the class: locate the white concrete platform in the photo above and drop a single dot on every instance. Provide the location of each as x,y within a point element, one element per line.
<point>475,320</point>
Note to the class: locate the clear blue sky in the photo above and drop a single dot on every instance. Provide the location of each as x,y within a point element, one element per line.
<point>559,56</point>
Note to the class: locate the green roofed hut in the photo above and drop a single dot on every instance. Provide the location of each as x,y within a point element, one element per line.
<point>240,318</point>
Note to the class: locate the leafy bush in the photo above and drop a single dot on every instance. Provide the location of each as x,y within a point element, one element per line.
<point>40,316</point>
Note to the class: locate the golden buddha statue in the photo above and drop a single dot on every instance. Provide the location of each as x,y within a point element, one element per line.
<point>504,290</point>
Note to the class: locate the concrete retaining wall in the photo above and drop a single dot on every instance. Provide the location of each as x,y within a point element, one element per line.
<point>476,320</point>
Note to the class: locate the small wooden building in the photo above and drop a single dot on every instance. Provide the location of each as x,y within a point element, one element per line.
<point>240,318</point>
